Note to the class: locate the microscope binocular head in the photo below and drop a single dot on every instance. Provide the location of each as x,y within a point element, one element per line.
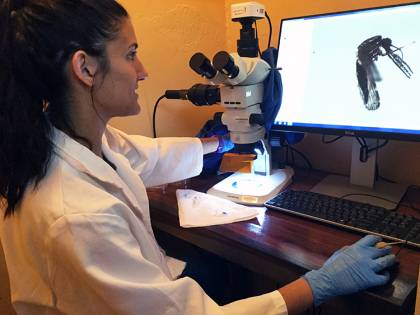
<point>222,68</point>
<point>230,69</point>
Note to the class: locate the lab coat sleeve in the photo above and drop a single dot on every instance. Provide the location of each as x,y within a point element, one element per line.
<point>267,304</point>
<point>95,266</point>
<point>161,160</point>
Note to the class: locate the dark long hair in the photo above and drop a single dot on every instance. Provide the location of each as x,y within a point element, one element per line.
<point>37,39</point>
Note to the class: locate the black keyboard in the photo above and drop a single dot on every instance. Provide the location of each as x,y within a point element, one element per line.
<point>349,214</point>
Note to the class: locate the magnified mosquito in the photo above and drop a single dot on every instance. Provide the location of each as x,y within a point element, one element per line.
<point>367,71</point>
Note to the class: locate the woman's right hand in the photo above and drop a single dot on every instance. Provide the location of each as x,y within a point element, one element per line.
<point>351,269</point>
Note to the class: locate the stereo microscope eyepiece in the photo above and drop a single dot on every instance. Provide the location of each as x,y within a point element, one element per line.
<point>202,65</point>
<point>224,63</point>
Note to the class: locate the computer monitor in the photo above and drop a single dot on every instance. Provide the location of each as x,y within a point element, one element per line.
<point>352,73</point>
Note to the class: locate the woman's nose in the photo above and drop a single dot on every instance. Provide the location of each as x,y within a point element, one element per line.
<point>141,72</point>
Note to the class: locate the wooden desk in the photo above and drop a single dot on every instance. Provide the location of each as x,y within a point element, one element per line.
<point>283,247</point>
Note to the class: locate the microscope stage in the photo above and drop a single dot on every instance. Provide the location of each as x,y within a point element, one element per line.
<point>252,189</point>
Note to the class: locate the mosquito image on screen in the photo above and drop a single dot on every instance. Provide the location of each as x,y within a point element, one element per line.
<point>367,71</point>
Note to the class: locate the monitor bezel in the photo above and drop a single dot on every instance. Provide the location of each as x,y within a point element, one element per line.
<point>392,135</point>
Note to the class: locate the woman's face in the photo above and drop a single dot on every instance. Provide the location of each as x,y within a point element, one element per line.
<point>115,93</point>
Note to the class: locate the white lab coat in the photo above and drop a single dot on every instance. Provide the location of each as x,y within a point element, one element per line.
<point>82,243</point>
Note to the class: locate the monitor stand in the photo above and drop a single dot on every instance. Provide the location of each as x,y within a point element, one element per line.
<point>362,182</point>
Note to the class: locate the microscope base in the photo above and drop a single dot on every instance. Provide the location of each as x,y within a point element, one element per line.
<point>252,189</point>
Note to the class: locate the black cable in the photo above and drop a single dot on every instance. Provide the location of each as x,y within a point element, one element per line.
<point>271,29</point>
<point>363,146</point>
<point>361,141</point>
<point>379,146</point>
<point>154,114</point>
<point>363,157</point>
<point>303,156</point>
<point>287,155</point>
<point>365,150</point>
<point>378,176</point>
<point>372,196</point>
<point>332,140</point>
<point>256,35</point>
<point>403,244</point>
<point>386,179</point>
<point>410,203</point>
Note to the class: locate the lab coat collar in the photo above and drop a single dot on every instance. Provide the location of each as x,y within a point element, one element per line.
<point>94,166</point>
<point>84,159</point>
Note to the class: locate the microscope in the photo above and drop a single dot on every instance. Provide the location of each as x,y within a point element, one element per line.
<point>236,81</point>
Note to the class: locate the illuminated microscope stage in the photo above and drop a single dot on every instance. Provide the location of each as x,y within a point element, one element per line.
<point>252,189</point>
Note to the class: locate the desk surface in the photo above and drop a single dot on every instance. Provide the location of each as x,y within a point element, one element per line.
<point>279,245</point>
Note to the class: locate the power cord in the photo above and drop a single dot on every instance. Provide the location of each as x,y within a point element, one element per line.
<point>398,204</point>
<point>372,196</point>
<point>402,245</point>
<point>291,151</point>
<point>269,35</point>
<point>154,114</point>
<point>286,155</point>
<point>378,176</point>
<point>303,156</point>
<point>256,35</point>
<point>410,203</point>
<point>271,29</point>
<point>330,141</point>
<point>365,150</point>
<point>363,155</point>
<point>378,146</point>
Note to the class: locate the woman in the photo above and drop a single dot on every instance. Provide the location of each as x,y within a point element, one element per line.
<point>76,234</point>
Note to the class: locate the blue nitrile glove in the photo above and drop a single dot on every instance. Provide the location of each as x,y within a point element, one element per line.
<point>351,269</point>
<point>225,144</point>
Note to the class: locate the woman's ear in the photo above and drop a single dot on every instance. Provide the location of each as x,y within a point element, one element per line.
<point>84,67</point>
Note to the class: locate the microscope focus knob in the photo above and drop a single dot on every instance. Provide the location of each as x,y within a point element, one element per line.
<point>224,63</point>
<point>256,119</point>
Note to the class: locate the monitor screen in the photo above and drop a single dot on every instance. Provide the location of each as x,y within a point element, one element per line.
<point>354,73</point>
